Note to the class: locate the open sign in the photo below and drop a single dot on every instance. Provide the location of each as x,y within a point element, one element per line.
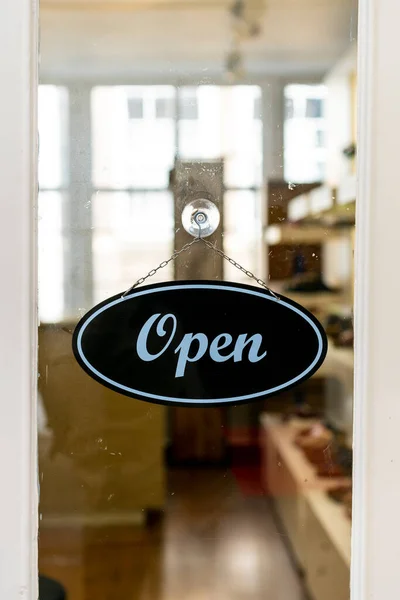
<point>199,343</point>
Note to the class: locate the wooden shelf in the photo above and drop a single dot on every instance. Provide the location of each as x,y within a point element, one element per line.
<point>320,209</point>
<point>303,472</point>
<point>339,363</point>
<point>297,233</point>
<point>318,528</point>
<point>320,301</point>
<point>335,523</point>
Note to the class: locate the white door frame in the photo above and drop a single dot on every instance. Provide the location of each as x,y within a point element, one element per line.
<point>376,524</point>
<point>376,521</point>
<point>18,325</point>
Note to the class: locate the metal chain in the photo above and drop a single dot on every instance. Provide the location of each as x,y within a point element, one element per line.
<point>214,249</point>
<point>238,266</point>
<point>162,265</point>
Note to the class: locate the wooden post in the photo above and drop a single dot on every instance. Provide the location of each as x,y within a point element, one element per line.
<point>197,433</point>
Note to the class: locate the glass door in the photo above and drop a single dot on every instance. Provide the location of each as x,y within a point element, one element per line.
<point>267,502</point>
<point>146,501</point>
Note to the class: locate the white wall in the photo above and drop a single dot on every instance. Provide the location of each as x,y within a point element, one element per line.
<point>338,114</point>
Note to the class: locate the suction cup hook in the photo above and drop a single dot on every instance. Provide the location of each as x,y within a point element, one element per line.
<point>200,217</point>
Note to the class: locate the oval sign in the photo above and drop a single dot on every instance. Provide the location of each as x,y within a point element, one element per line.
<point>199,343</point>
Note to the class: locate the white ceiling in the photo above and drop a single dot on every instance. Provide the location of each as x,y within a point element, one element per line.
<point>189,39</point>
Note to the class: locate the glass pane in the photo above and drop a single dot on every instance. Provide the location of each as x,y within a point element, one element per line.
<point>223,122</point>
<point>242,235</point>
<point>51,256</point>
<point>199,123</point>
<point>53,136</point>
<point>133,136</point>
<point>304,135</point>
<point>158,103</point>
<point>242,136</point>
<point>133,234</point>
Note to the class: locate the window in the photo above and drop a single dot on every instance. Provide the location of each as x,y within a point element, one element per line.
<point>132,207</point>
<point>131,153</point>
<point>188,107</point>
<point>108,218</point>
<point>304,133</point>
<point>313,108</point>
<point>320,138</point>
<point>135,108</point>
<point>257,107</point>
<point>53,198</point>
<point>132,234</point>
<point>226,128</point>
<point>165,108</point>
<point>289,108</point>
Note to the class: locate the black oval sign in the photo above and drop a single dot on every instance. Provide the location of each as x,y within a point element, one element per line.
<point>199,343</point>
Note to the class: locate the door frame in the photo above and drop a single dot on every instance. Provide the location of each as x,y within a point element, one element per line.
<point>376,497</point>
<point>376,518</point>
<point>18,321</point>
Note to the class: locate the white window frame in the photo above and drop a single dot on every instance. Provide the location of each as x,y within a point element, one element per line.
<point>376,516</point>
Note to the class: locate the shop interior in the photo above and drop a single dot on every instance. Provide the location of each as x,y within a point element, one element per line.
<point>143,106</point>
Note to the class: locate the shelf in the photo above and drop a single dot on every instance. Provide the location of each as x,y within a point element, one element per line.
<point>341,360</point>
<point>323,208</point>
<point>312,488</point>
<point>337,526</point>
<point>295,233</point>
<point>318,200</point>
<point>304,473</point>
<point>315,301</point>
<point>322,199</point>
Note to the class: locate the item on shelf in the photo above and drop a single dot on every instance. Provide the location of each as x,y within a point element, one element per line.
<point>300,411</point>
<point>348,503</point>
<point>299,263</point>
<point>350,151</point>
<point>318,455</point>
<point>309,283</point>
<point>340,329</point>
<point>303,433</point>
<point>339,493</point>
<point>314,438</point>
<point>346,339</point>
<point>344,457</point>
<point>320,449</point>
<point>333,326</point>
<point>329,469</point>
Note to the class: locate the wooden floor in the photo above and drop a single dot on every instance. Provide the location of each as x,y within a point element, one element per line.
<point>212,544</point>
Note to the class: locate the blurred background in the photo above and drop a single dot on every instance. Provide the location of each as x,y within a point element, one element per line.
<point>143,106</point>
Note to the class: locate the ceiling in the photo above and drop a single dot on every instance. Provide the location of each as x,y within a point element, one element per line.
<point>190,39</point>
